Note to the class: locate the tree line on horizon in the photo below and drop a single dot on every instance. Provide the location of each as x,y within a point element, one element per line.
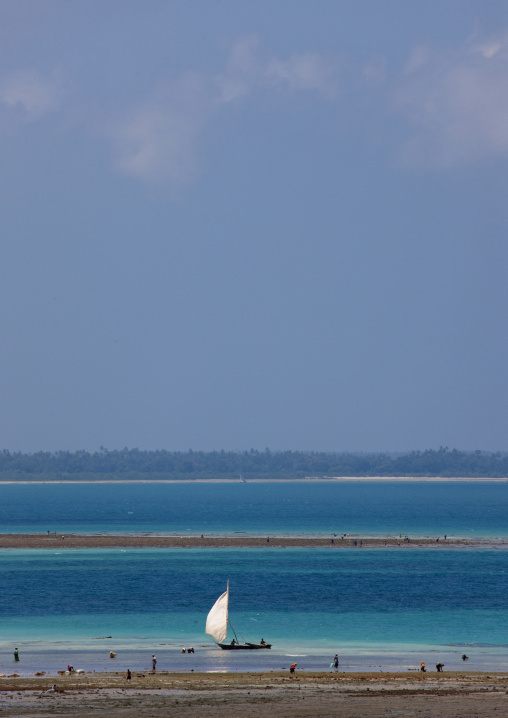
<point>135,464</point>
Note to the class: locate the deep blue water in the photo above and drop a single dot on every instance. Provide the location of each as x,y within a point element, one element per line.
<point>311,581</point>
<point>417,509</point>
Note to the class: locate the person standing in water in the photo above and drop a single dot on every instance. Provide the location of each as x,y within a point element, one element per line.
<point>154,662</point>
<point>16,655</point>
<point>336,661</point>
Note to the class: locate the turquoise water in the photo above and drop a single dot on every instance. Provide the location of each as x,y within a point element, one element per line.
<point>371,508</point>
<point>380,608</point>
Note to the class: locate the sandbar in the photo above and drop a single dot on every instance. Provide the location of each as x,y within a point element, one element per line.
<point>56,540</point>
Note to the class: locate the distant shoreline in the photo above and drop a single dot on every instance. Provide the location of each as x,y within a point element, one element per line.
<point>73,541</point>
<point>326,480</point>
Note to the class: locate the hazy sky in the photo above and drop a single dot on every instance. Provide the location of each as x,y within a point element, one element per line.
<point>245,224</point>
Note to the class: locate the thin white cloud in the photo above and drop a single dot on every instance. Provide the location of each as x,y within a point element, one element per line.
<point>453,104</point>
<point>249,67</point>
<point>243,70</point>
<point>158,140</point>
<point>309,71</point>
<point>35,94</point>
<point>490,48</point>
<point>456,104</point>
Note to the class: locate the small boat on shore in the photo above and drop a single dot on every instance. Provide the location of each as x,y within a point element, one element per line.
<point>217,627</point>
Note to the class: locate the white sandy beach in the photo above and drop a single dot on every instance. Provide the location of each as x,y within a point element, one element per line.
<point>328,479</point>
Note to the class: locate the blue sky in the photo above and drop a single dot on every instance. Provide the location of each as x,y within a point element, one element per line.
<point>231,224</point>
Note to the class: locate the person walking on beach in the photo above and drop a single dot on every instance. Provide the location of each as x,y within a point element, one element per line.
<point>129,675</point>
<point>16,655</point>
<point>154,662</point>
<point>422,667</point>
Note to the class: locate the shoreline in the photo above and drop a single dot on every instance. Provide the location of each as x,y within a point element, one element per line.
<point>279,694</point>
<point>307,479</point>
<point>74,541</point>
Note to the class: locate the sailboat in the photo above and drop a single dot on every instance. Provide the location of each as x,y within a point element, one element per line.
<point>217,626</point>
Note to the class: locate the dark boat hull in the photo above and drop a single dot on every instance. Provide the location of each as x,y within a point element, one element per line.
<point>243,646</point>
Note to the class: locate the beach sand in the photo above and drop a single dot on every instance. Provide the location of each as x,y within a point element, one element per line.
<point>306,479</point>
<point>50,541</point>
<point>432,695</point>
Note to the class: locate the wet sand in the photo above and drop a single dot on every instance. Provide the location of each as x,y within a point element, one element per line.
<point>355,695</point>
<point>51,541</point>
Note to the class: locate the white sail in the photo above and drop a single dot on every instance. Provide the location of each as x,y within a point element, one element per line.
<point>217,619</point>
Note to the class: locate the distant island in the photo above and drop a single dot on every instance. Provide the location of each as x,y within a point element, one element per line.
<point>137,465</point>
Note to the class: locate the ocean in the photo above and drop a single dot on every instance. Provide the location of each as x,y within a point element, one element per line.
<point>467,509</point>
<point>380,609</point>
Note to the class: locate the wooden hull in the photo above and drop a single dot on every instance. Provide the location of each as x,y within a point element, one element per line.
<point>243,646</point>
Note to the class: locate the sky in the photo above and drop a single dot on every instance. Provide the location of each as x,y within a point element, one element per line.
<point>236,224</point>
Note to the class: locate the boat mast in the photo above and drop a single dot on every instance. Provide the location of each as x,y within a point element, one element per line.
<point>227,615</point>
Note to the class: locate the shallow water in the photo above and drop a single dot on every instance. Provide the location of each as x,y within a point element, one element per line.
<point>353,658</point>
